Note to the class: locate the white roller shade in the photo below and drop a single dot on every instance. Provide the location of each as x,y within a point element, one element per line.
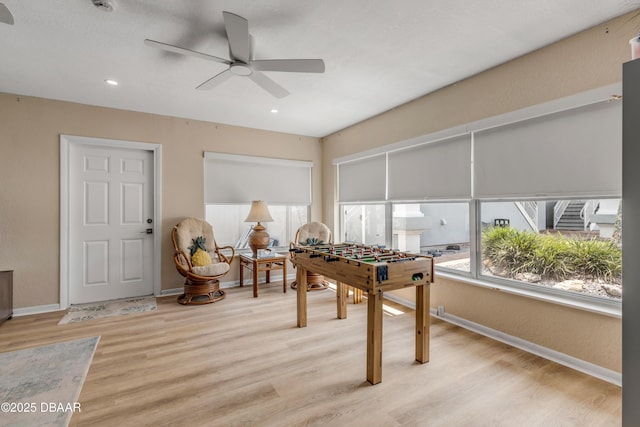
<point>571,152</point>
<point>241,179</point>
<point>430,171</point>
<point>362,180</point>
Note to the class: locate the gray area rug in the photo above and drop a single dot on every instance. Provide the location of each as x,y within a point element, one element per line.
<point>41,385</point>
<point>82,312</point>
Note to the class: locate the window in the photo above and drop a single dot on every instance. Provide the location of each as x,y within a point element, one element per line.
<point>230,228</point>
<point>287,220</point>
<point>364,224</point>
<point>566,245</point>
<point>437,229</point>
<point>528,200</point>
<point>231,182</point>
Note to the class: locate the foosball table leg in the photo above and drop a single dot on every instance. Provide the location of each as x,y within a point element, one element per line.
<point>374,337</point>
<point>342,292</point>
<point>301,278</point>
<point>357,295</point>
<point>423,321</point>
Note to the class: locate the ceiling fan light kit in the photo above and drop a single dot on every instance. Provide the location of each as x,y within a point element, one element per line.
<point>241,62</point>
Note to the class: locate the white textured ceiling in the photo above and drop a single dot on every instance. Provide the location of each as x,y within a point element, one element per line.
<point>378,53</point>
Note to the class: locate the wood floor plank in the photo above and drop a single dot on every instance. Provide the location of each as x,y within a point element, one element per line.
<point>243,362</point>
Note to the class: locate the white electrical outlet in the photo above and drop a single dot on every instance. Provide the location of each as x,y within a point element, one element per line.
<point>440,311</point>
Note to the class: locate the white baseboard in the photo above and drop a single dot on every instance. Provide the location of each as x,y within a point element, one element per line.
<point>25,311</point>
<point>230,284</point>
<point>580,365</point>
<point>248,281</point>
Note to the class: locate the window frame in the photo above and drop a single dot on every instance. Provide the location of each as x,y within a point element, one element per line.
<point>474,276</point>
<point>341,226</point>
<point>248,184</point>
<point>569,298</point>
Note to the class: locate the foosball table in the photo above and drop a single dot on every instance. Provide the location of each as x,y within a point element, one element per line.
<point>374,270</point>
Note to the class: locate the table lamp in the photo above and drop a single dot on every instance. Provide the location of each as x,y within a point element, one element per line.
<point>258,238</point>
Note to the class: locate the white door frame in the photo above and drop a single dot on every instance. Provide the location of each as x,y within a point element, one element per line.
<point>65,143</point>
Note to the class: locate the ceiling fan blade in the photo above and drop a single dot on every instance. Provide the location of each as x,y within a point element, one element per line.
<point>269,85</point>
<point>5,16</point>
<point>238,35</point>
<point>183,51</point>
<point>215,80</point>
<point>289,65</point>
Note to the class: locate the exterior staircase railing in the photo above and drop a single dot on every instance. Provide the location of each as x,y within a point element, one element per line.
<point>529,212</point>
<point>587,210</point>
<point>558,211</point>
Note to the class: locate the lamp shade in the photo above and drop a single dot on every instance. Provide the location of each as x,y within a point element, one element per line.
<point>259,212</point>
<point>258,238</point>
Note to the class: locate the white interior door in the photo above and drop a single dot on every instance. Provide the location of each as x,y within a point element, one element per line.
<point>110,223</point>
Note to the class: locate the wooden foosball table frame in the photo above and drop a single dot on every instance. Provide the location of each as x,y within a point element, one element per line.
<point>374,278</point>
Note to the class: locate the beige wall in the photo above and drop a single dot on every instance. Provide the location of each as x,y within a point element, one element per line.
<point>30,178</point>
<point>585,61</point>
<point>579,333</point>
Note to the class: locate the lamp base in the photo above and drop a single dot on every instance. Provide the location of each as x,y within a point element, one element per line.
<point>258,239</point>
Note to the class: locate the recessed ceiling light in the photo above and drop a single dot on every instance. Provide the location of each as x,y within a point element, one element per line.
<point>274,110</point>
<point>111,82</point>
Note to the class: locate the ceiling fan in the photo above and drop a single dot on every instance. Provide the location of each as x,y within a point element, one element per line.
<point>242,62</point>
<point>5,15</point>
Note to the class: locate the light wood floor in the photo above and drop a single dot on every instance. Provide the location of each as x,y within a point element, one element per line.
<point>243,362</point>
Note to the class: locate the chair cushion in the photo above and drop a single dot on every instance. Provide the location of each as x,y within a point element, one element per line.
<point>316,230</point>
<point>215,269</point>
<point>190,228</point>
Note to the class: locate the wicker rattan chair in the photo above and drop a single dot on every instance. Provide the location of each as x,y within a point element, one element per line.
<point>202,283</point>
<point>319,233</point>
